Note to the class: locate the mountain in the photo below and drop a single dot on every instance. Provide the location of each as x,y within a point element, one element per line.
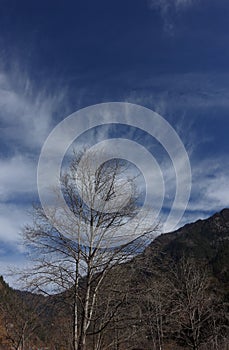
<point>152,279</point>
<point>206,240</point>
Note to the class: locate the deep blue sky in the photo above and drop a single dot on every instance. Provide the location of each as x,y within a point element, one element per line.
<point>59,56</point>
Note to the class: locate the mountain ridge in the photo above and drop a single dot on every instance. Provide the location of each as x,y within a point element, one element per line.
<point>205,240</point>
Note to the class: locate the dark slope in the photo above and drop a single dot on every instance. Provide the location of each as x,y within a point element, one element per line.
<point>206,240</point>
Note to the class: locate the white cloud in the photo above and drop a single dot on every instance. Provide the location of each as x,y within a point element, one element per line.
<point>181,91</point>
<point>210,192</point>
<point>165,5</point>
<point>12,220</point>
<point>26,118</point>
<point>208,196</point>
<point>29,119</point>
<point>25,115</point>
<point>210,186</point>
<point>17,177</point>
<point>10,270</point>
<point>12,259</point>
<point>167,9</point>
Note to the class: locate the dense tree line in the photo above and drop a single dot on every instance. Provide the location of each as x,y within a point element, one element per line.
<point>138,307</point>
<point>94,287</point>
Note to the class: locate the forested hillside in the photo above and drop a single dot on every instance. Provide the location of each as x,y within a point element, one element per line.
<point>175,295</point>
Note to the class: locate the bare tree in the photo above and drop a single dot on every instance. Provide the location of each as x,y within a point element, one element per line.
<point>75,252</point>
<point>20,319</point>
<point>192,303</point>
<point>180,307</point>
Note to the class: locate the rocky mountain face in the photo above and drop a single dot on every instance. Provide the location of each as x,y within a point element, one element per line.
<point>192,261</point>
<point>204,239</point>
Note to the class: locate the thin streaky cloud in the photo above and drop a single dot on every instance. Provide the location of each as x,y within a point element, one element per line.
<point>165,5</point>
<point>10,229</point>
<point>17,177</point>
<point>168,8</point>
<point>26,113</point>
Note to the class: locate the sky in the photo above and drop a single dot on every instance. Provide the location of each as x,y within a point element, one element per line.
<point>57,57</point>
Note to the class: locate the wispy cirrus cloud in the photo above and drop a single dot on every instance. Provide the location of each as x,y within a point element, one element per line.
<point>12,220</point>
<point>168,8</point>
<point>17,177</point>
<point>182,91</point>
<point>165,4</point>
<point>209,193</point>
<point>210,185</point>
<point>26,114</point>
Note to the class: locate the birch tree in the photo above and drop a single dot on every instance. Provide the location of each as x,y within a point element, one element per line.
<point>75,252</point>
